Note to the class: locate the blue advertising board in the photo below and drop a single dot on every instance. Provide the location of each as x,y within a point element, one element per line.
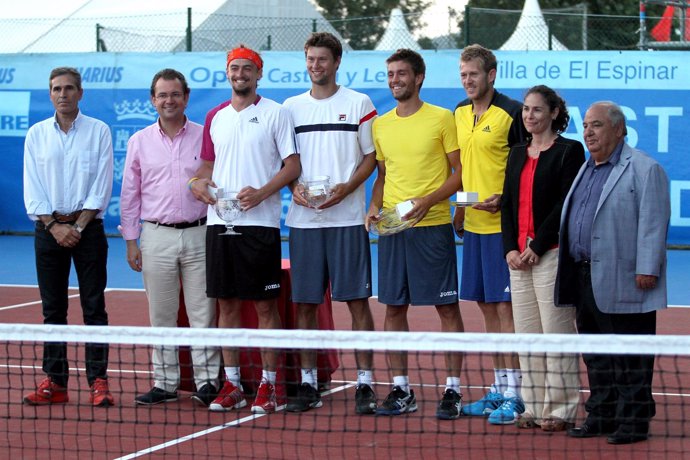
<point>652,87</point>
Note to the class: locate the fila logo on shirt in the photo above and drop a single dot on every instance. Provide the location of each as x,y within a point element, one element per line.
<point>254,120</point>
<point>486,129</point>
<point>342,117</point>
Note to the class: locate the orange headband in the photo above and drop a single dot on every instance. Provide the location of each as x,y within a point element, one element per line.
<point>245,53</point>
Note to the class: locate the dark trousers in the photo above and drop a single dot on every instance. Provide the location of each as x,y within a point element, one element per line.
<point>53,266</point>
<point>620,385</point>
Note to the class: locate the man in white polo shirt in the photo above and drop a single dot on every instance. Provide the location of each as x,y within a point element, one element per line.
<point>248,147</point>
<point>333,131</point>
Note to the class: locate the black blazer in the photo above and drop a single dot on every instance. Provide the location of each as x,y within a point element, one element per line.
<point>555,172</point>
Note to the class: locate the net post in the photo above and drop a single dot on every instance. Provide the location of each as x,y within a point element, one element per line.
<point>467,25</point>
<point>188,32</point>
<point>100,44</point>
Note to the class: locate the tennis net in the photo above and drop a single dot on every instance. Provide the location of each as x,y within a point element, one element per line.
<point>181,429</point>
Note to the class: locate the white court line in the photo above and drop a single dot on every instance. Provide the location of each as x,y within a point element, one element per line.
<point>28,304</point>
<point>74,369</point>
<point>37,302</point>
<point>107,289</point>
<point>125,290</point>
<point>374,297</point>
<point>19,285</point>
<point>582,390</point>
<point>202,433</point>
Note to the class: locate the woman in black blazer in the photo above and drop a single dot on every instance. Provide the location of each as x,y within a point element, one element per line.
<point>539,174</point>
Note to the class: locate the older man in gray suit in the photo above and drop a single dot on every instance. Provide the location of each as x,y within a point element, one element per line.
<point>612,267</point>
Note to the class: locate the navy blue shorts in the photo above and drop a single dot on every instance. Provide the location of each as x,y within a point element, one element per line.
<point>485,275</point>
<point>245,266</point>
<point>418,266</point>
<point>341,255</point>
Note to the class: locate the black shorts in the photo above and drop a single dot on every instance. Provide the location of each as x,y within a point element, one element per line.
<point>246,266</point>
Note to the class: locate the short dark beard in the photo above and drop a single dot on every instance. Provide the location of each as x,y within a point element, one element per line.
<point>242,92</point>
<point>322,82</point>
<point>405,96</point>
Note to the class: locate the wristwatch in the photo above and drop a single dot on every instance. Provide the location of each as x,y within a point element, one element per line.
<point>78,228</point>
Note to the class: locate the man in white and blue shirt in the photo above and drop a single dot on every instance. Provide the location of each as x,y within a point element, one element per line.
<point>68,177</point>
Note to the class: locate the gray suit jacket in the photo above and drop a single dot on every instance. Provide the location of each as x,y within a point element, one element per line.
<point>628,238</point>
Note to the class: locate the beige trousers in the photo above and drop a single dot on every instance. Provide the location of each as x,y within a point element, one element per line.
<point>550,382</point>
<point>171,259</point>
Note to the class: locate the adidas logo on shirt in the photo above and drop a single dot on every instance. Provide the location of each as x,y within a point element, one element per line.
<point>507,289</point>
<point>486,129</point>
<point>253,120</point>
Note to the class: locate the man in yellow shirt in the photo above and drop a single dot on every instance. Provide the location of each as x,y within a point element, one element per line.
<point>418,160</point>
<point>488,124</point>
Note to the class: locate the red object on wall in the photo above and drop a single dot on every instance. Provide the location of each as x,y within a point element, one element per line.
<point>288,373</point>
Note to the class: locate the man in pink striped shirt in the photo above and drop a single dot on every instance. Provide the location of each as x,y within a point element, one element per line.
<point>172,249</point>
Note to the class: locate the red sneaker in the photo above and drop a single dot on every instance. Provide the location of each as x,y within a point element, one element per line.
<point>47,392</point>
<point>100,394</point>
<point>265,401</point>
<point>229,398</point>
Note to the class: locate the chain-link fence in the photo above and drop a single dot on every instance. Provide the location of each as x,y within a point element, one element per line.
<point>217,32</point>
<point>223,31</point>
<point>571,28</point>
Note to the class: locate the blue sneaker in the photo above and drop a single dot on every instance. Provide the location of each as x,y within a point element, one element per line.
<point>398,402</point>
<point>508,413</point>
<point>486,405</point>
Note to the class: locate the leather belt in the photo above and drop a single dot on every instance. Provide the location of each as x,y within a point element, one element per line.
<point>66,218</point>
<point>181,225</point>
<point>41,226</point>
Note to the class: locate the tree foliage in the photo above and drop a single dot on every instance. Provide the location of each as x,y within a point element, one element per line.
<point>363,22</point>
<point>606,25</point>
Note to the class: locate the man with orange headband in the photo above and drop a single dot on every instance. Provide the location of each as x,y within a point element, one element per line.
<point>248,147</point>
<point>333,130</point>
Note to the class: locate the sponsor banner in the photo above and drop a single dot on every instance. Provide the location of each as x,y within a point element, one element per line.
<point>668,70</point>
<point>14,113</point>
<point>652,88</point>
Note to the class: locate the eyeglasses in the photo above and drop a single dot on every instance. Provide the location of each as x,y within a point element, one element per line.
<point>164,96</point>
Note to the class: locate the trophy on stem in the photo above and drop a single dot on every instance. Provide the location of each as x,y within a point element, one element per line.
<point>317,189</point>
<point>228,209</point>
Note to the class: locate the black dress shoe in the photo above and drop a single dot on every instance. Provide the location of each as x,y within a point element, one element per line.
<point>629,434</point>
<point>589,430</point>
<point>156,396</point>
<point>205,395</point>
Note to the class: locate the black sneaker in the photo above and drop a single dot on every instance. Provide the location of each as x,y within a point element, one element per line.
<point>156,396</point>
<point>449,407</point>
<point>398,402</point>
<point>365,400</point>
<point>307,398</point>
<point>205,395</point>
